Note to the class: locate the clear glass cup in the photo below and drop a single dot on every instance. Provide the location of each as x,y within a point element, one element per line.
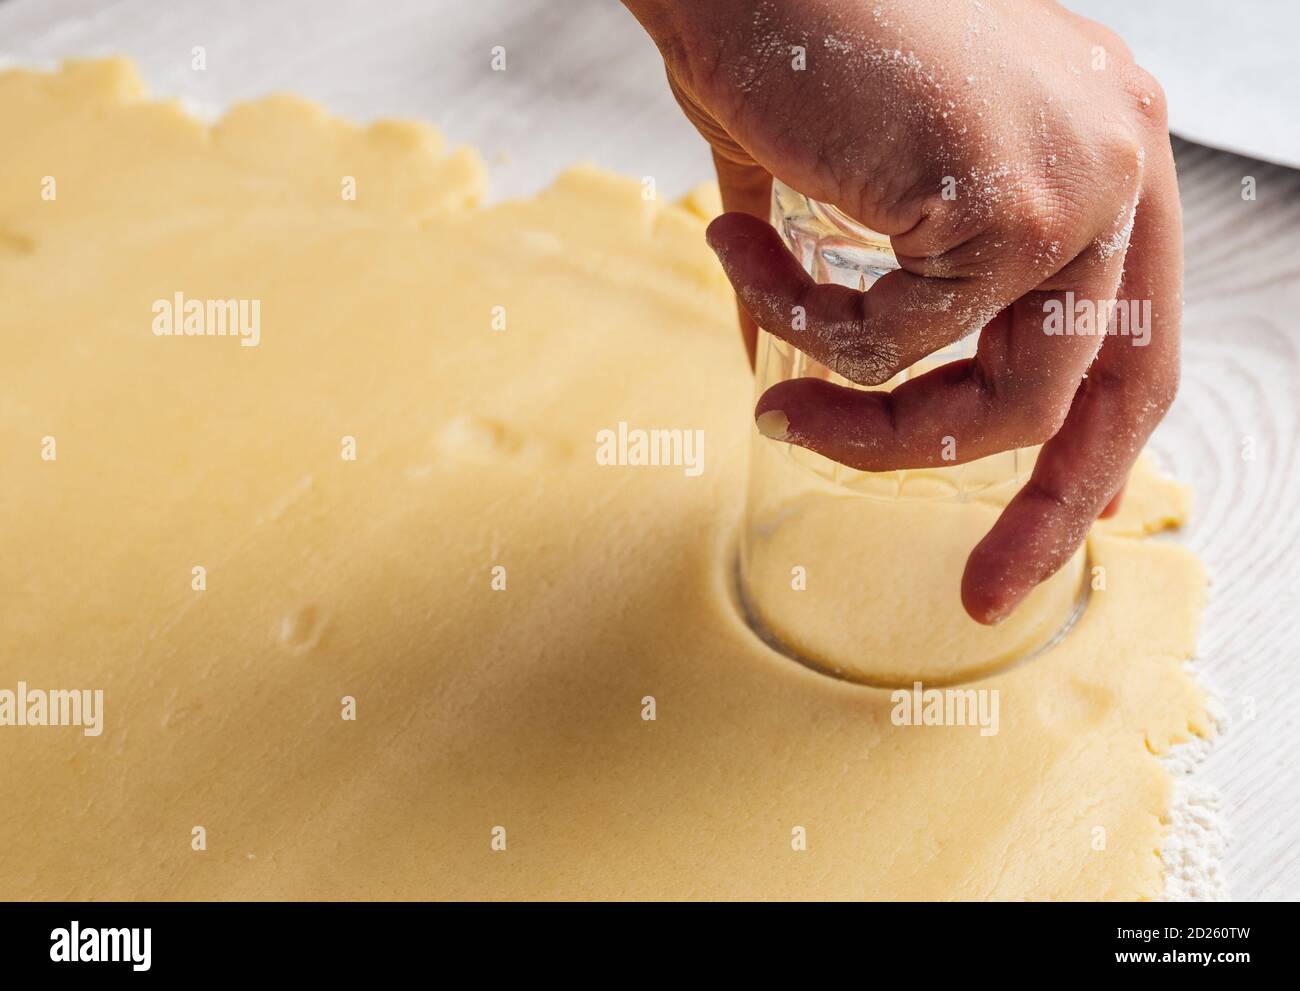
<point>858,574</point>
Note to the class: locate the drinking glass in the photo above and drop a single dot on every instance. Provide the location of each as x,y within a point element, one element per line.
<point>858,574</point>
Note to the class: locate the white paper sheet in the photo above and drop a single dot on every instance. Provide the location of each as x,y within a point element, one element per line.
<point>1231,70</point>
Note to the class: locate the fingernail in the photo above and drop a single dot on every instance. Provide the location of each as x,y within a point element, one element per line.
<point>774,424</point>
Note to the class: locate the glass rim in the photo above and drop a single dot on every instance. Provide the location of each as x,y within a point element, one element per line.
<point>833,216</point>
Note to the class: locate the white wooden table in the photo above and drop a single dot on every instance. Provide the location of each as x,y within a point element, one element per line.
<point>583,83</point>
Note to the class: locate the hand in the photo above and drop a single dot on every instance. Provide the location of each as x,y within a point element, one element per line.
<point>1014,153</point>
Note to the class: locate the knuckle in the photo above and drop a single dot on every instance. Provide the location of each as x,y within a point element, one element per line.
<point>1040,216</point>
<point>1041,406</point>
<point>1038,409</point>
<point>1125,157</point>
<point>1152,104</point>
<point>1032,234</point>
<point>868,365</point>
<point>1042,418</point>
<point>945,224</point>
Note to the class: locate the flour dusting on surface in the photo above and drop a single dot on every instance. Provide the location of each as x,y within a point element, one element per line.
<point>1196,838</point>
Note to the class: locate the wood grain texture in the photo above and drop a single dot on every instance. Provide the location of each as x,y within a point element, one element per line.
<point>583,83</point>
<point>1234,435</point>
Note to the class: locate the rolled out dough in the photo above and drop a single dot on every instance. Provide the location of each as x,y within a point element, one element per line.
<point>480,713</point>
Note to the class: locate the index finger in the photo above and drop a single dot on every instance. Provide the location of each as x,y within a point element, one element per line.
<point>866,336</point>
